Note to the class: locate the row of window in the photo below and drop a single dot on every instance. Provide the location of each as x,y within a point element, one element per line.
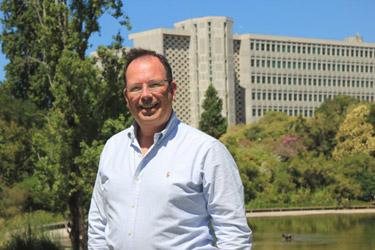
<point>311,81</point>
<point>263,95</point>
<point>311,65</point>
<point>312,49</point>
<point>258,112</point>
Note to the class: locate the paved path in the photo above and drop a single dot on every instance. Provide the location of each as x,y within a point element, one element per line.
<point>310,212</point>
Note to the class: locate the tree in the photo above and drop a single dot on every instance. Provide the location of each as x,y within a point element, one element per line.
<point>355,134</point>
<point>361,168</point>
<point>324,125</point>
<point>69,145</point>
<point>18,119</point>
<point>212,122</point>
<point>35,33</point>
<point>46,42</point>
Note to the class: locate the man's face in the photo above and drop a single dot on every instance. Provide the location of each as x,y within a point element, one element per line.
<point>147,94</point>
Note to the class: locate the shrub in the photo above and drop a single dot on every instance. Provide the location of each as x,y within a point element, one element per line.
<point>30,241</point>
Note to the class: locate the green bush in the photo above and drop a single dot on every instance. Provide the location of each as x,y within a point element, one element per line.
<point>21,222</point>
<point>30,242</point>
<point>17,242</point>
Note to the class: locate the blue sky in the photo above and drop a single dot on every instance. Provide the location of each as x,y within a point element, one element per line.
<point>326,19</point>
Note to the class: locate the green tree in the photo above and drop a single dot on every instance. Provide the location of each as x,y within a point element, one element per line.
<point>324,125</point>
<point>18,119</point>
<point>360,168</point>
<point>212,122</point>
<point>76,127</point>
<point>35,33</point>
<point>46,42</point>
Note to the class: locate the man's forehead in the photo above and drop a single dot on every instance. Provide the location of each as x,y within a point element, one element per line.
<point>145,58</point>
<point>145,63</point>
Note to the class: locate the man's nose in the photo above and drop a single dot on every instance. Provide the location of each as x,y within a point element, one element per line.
<point>145,90</point>
<point>146,95</point>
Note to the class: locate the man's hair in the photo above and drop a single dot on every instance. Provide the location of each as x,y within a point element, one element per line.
<point>139,52</point>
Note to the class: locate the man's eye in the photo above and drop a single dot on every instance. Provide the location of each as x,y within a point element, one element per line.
<point>135,89</point>
<point>155,85</point>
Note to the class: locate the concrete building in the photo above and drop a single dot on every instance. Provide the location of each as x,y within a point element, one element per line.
<point>258,73</point>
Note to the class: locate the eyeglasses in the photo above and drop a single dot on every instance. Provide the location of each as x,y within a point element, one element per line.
<point>154,86</point>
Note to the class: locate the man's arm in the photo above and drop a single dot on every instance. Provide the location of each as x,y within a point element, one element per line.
<point>97,219</point>
<point>225,204</point>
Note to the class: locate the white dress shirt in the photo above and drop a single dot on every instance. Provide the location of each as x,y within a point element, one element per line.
<point>169,198</point>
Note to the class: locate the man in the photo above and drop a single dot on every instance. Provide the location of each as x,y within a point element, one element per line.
<point>162,184</point>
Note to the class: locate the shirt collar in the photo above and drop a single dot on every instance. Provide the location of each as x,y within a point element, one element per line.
<point>173,121</point>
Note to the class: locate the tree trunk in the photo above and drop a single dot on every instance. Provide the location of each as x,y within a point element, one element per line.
<point>78,233</point>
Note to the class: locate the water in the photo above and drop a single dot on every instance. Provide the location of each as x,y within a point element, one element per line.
<point>318,232</point>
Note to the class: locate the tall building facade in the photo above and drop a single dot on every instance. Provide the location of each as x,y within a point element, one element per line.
<point>255,73</point>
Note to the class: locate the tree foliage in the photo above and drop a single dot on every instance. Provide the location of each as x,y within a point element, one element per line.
<point>355,134</point>
<point>46,43</point>
<point>212,122</point>
<point>279,167</point>
<point>325,124</point>
<point>18,120</point>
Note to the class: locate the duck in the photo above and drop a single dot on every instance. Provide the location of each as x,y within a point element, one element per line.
<point>287,236</point>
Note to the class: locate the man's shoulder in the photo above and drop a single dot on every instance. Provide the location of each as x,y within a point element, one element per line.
<point>195,135</point>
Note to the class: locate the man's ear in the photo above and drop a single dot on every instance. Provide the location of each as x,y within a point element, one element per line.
<point>125,97</point>
<point>172,89</point>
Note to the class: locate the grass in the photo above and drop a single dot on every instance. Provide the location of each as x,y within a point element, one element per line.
<point>23,224</point>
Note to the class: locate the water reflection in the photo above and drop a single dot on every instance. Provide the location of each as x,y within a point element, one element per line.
<point>318,232</point>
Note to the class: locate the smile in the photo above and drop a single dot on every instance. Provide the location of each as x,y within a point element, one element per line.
<point>148,105</point>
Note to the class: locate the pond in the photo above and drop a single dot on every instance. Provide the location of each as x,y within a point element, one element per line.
<point>318,232</point>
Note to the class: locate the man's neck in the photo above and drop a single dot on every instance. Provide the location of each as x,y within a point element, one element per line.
<point>145,136</point>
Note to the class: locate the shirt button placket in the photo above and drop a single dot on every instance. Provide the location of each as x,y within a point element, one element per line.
<point>133,208</point>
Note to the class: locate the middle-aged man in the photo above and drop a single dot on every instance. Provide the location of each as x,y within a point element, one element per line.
<point>162,184</point>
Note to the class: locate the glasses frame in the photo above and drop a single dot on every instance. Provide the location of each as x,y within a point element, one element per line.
<point>153,86</point>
